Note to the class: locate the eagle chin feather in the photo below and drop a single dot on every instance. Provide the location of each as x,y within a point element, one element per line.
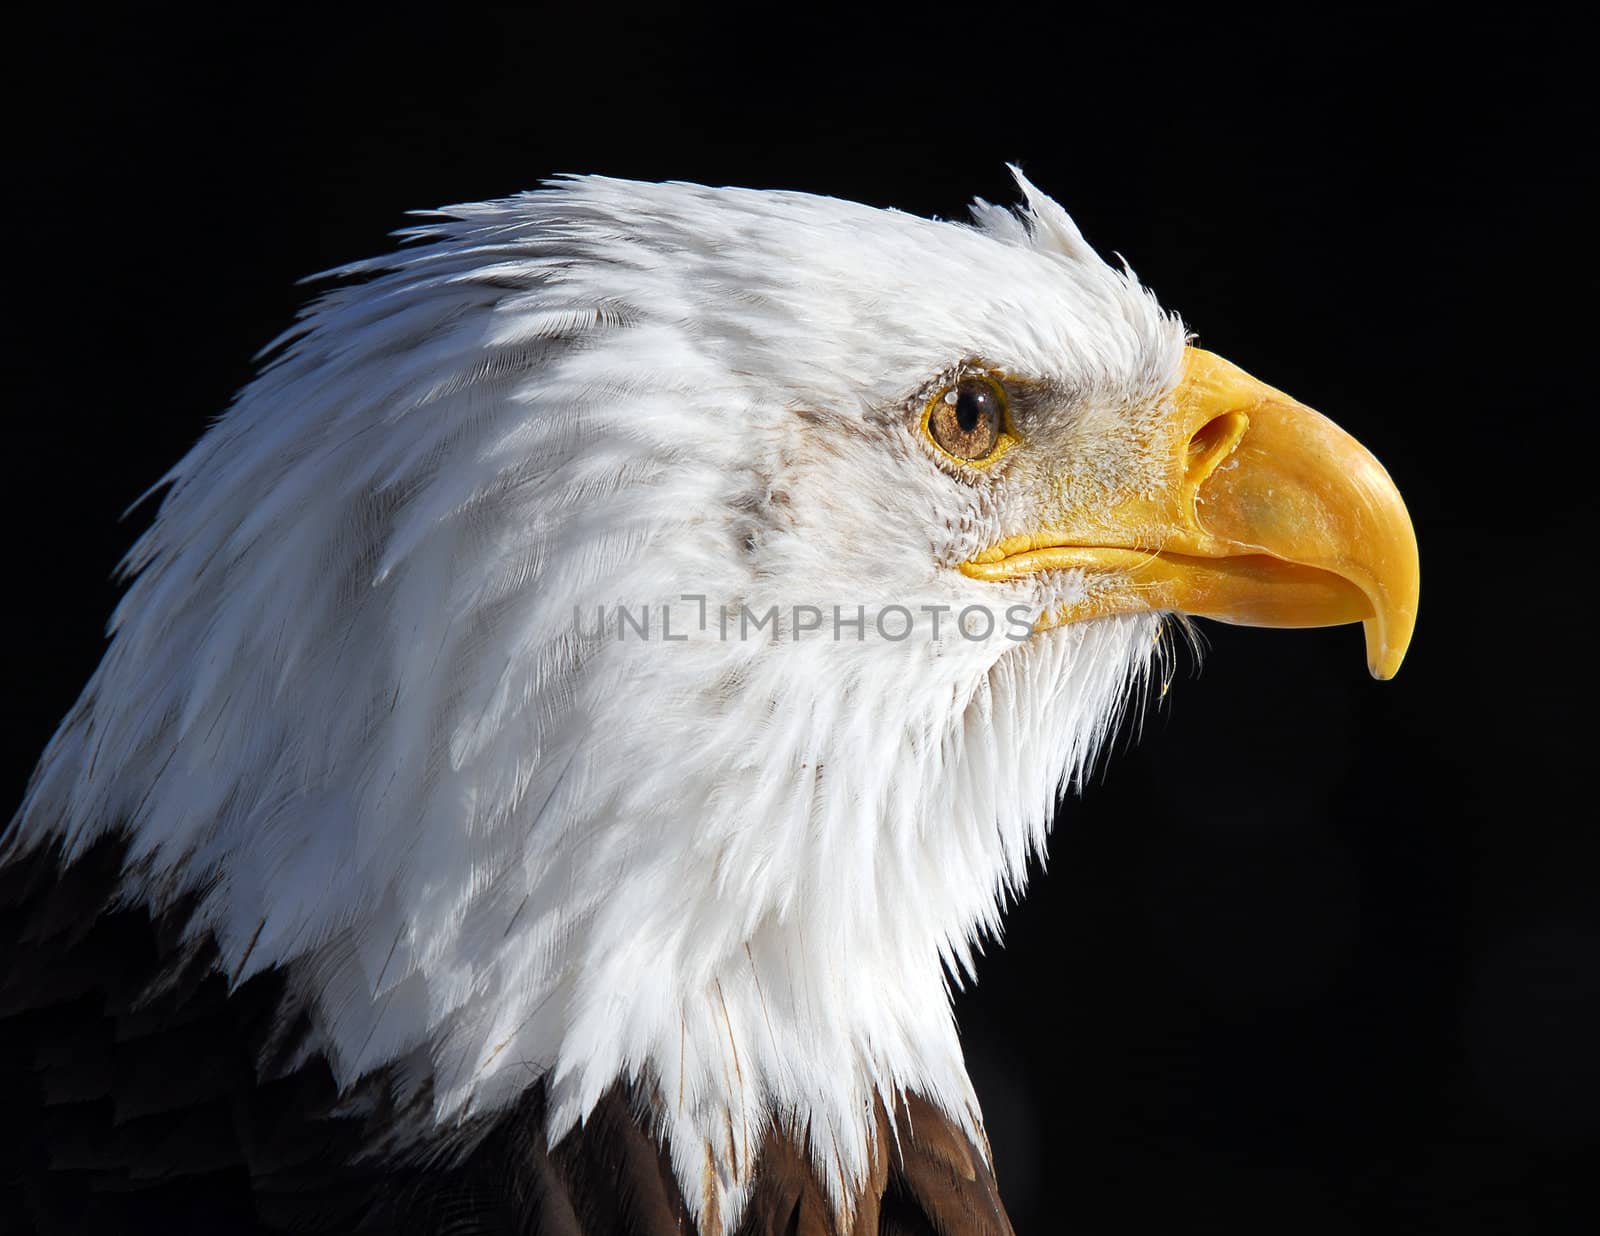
<point>356,738</point>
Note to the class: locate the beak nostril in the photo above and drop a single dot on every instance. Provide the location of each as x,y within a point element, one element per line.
<point>1212,443</point>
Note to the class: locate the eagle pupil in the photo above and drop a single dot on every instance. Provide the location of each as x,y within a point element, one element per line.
<point>971,406</point>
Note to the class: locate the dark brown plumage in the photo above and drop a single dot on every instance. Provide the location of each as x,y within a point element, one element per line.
<point>150,1100</point>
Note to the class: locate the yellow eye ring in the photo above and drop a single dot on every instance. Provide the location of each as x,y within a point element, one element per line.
<point>969,421</point>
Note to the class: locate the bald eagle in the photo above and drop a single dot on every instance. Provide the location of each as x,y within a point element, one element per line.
<point>576,714</point>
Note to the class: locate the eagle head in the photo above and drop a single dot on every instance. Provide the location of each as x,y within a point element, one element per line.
<point>643,632</point>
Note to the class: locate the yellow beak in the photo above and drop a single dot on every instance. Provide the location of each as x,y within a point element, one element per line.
<point>1271,515</point>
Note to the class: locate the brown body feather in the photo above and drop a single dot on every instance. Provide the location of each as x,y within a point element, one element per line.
<point>148,1098</point>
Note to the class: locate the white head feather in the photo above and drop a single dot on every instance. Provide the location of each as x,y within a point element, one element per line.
<point>347,700</point>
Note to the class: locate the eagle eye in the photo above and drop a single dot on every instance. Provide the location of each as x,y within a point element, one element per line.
<point>968,420</point>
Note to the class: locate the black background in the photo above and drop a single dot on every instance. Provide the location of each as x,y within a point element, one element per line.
<point>1316,954</point>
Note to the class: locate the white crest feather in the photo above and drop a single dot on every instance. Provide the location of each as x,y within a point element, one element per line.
<point>347,702</point>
